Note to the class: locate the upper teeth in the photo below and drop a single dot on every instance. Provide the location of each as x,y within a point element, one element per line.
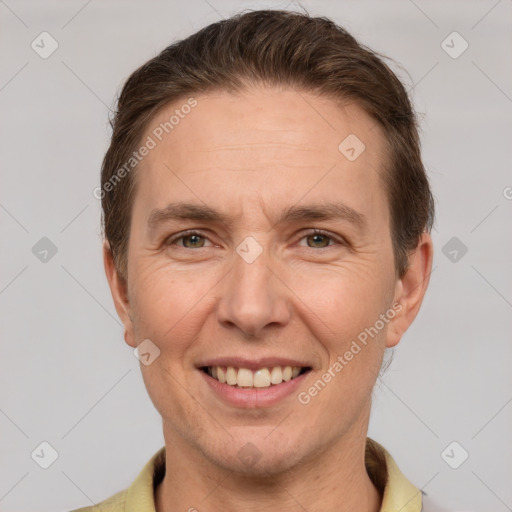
<point>246,378</point>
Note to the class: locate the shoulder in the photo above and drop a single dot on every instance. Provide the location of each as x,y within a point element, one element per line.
<point>397,491</point>
<point>115,503</point>
<point>140,495</point>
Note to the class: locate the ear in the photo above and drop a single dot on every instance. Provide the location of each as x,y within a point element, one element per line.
<point>118,288</point>
<point>411,288</point>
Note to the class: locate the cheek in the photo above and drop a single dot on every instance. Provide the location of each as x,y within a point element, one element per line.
<point>344,300</point>
<point>342,309</point>
<point>169,304</point>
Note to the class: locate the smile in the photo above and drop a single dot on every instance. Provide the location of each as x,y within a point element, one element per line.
<point>260,378</point>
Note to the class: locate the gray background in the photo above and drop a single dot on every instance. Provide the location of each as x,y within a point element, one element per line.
<point>67,376</point>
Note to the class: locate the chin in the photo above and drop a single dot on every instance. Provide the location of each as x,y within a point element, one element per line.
<point>257,456</point>
<point>268,465</point>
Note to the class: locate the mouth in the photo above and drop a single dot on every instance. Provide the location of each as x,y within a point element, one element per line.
<point>264,377</point>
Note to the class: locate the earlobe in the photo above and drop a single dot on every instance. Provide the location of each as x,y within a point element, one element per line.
<point>119,291</point>
<point>411,288</point>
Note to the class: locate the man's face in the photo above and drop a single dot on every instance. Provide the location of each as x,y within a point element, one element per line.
<point>259,290</point>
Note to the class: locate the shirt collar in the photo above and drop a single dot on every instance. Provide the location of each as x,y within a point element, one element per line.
<point>398,494</point>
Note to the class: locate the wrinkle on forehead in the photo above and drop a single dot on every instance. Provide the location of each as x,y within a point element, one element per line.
<point>279,147</point>
<point>257,145</point>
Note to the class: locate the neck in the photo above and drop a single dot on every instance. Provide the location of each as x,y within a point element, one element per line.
<point>334,480</point>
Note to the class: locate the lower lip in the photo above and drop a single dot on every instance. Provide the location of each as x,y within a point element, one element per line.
<point>253,398</point>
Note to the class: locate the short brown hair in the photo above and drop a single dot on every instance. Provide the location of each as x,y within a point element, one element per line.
<point>275,48</point>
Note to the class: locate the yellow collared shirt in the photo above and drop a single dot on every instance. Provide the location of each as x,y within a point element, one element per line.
<point>398,493</point>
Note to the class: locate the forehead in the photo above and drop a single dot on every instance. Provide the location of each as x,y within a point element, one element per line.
<point>264,146</point>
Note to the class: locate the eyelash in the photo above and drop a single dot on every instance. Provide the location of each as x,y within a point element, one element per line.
<point>185,234</point>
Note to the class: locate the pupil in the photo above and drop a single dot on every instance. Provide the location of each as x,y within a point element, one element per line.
<point>316,237</point>
<point>193,239</point>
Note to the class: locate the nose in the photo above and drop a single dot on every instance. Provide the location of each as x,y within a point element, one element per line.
<point>253,297</point>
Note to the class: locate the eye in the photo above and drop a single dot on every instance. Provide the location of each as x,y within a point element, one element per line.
<point>320,239</point>
<point>190,240</point>
<point>195,240</point>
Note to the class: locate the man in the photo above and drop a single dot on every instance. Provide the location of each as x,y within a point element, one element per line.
<point>267,220</point>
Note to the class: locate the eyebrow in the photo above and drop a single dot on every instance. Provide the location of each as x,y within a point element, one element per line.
<point>200,212</point>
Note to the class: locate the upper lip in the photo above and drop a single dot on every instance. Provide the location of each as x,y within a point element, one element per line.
<point>253,364</point>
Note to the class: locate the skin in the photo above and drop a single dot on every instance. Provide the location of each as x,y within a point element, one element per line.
<point>251,155</point>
